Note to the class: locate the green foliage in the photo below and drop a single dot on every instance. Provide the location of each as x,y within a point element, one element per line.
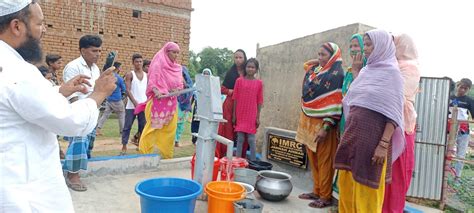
<point>219,60</point>
<point>194,67</point>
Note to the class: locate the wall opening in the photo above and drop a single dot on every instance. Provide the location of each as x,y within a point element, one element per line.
<point>137,13</point>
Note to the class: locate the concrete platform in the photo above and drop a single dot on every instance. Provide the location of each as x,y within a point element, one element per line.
<point>116,193</point>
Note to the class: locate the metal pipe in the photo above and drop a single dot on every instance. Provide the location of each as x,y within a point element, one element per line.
<point>229,143</point>
<point>179,92</point>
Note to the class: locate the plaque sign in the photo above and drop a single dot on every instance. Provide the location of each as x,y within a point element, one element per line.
<point>287,150</point>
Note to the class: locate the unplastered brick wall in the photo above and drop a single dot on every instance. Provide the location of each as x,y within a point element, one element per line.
<point>127,26</point>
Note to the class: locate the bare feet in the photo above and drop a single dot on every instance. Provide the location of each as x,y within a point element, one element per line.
<point>124,150</point>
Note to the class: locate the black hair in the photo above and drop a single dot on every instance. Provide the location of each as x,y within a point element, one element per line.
<point>52,58</point>
<point>234,66</point>
<point>254,61</point>
<point>117,64</point>
<point>44,70</point>
<point>23,15</point>
<point>90,41</point>
<point>232,75</point>
<point>146,62</point>
<point>466,81</point>
<point>135,56</point>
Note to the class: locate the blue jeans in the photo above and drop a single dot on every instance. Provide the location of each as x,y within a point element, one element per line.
<point>462,142</point>
<point>129,119</point>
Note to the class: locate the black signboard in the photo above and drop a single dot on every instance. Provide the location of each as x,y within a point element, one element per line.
<point>287,150</point>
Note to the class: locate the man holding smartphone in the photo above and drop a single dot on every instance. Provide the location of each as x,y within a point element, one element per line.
<point>80,147</point>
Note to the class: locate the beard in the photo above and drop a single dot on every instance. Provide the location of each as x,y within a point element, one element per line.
<point>31,50</point>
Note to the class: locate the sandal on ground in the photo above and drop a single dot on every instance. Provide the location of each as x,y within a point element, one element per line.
<point>122,153</point>
<point>320,203</point>
<point>308,196</point>
<point>78,187</point>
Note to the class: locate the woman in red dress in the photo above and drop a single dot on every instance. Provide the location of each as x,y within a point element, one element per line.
<point>227,129</point>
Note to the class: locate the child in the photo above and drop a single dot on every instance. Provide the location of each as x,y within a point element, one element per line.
<point>248,100</point>
<point>465,108</point>
<point>46,74</point>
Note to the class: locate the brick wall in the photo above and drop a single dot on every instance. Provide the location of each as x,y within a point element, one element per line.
<point>158,22</point>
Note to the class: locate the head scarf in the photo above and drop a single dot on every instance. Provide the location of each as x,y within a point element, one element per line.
<point>360,40</point>
<point>184,100</point>
<point>349,77</point>
<point>407,57</point>
<point>321,93</point>
<point>379,86</point>
<point>166,76</point>
<point>232,75</point>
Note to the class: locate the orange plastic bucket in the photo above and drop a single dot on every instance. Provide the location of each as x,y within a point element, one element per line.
<point>222,194</point>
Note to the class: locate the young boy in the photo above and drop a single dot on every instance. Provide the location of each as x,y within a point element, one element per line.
<point>465,108</point>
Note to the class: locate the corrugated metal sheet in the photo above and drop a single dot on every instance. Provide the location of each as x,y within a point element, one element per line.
<point>430,144</point>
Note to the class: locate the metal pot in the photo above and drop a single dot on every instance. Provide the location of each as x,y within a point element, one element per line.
<point>273,185</point>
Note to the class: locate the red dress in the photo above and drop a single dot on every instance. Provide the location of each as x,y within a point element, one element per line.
<point>226,129</point>
<point>248,93</point>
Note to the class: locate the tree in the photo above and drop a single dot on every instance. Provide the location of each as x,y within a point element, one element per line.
<point>219,60</point>
<point>194,67</point>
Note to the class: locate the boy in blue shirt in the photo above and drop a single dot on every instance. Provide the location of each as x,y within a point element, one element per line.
<point>114,102</point>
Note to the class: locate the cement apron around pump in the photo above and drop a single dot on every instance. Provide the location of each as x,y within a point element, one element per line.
<point>116,193</point>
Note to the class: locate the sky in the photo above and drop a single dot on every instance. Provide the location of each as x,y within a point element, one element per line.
<point>441,30</point>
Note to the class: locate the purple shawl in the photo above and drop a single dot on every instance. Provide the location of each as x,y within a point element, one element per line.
<point>379,87</point>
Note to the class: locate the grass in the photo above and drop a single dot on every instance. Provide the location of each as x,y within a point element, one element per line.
<point>109,143</point>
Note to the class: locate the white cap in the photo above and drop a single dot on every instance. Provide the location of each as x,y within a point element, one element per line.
<point>8,7</point>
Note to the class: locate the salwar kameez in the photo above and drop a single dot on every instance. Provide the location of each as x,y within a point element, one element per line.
<point>356,197</point>
<point>320,156</point>
<point>402,170</point>
<point>162,138</point>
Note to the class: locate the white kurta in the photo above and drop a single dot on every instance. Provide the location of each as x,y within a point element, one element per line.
<point>31,114</point>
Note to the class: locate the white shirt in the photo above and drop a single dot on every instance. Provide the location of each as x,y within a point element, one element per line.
<point>32,112</point>
<point>138,90</point>
<point>79,66</point>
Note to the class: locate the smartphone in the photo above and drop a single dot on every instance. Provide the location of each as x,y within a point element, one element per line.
<point>110,60</point>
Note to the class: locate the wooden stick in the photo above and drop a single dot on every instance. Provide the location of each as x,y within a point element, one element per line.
<point>450,152</point>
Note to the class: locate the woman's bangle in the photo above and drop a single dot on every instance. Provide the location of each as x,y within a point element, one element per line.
<point>383,144</point>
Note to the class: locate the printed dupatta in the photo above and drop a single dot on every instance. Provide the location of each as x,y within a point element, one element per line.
<point>321,93</point>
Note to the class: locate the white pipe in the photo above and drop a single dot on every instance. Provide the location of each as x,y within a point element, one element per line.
<point>229,143</point>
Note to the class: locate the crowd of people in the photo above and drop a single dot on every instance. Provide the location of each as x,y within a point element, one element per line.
<point>357,124</point>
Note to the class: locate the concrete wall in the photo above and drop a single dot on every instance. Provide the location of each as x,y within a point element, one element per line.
<point>281,69</point>
<point>160,21</point>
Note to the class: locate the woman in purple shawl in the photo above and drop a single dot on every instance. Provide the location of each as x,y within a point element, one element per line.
<point>373,137</point>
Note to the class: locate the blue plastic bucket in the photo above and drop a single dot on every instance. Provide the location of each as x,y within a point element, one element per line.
<point>168,194</point>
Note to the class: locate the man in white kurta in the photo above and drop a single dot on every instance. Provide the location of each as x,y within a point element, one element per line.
<point>32,112</point>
